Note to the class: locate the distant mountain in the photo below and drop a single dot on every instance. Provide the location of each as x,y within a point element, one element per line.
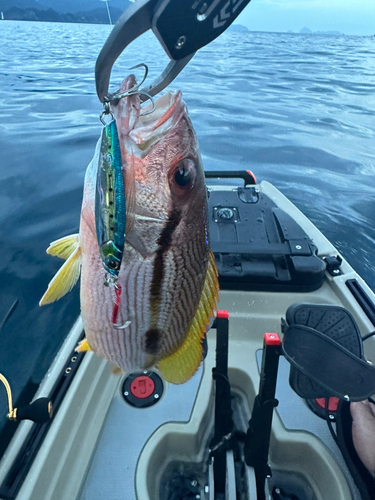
<point>97,16</point>
<point>70,11</point>
<point>327,33</point>
<point>31,14</point>
<point>238,27</point>
<point>63,6</point>
<point>21,4</point>
<point>307,31</point>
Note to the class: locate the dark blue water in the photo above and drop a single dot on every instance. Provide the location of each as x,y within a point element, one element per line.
<point>297,110</point>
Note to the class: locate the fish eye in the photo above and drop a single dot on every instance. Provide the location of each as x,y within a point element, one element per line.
<point>183,176</point>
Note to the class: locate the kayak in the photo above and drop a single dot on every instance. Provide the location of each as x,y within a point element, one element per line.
<point>252,422</point>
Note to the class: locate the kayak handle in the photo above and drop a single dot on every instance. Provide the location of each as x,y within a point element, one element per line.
<point>246,175</point>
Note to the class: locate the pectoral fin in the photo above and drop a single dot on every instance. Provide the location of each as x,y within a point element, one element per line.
<point>64,279</point>
<point>180,366</point>
<point>64,247</point>
<point>83,346</point>
<point>115,370</point>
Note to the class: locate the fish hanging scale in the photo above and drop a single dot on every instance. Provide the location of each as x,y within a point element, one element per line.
<point>110,210</point>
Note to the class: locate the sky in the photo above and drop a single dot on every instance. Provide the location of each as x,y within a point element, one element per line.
<point>351,17</point>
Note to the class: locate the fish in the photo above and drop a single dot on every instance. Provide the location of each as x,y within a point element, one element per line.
<point>156,310</point>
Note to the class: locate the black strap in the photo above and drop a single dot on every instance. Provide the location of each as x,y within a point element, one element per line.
<point>259,433</point>
<point>223,433</point>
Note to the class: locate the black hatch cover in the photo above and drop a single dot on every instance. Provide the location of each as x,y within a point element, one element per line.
<point>258,246</point>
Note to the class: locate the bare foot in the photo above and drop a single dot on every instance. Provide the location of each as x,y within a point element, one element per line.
<point>363,431</point>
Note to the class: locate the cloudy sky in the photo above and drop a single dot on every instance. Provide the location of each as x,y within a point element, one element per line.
<point>351,17</point>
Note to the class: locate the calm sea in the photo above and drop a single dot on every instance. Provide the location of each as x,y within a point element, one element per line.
<point>297,110</point>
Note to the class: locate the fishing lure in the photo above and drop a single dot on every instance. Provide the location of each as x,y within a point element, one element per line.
<point>110,211</point>
<point>110,201</point>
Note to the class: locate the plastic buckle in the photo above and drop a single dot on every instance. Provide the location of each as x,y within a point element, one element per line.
<point>333,265</point>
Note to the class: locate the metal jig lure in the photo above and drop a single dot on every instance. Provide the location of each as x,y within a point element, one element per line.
<point>110,200</point>
<point>110,211</point>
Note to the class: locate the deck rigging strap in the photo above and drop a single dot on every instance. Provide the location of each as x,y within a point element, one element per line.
<point>224,427</point>
<point>258,436</point>
<point>257,440</point>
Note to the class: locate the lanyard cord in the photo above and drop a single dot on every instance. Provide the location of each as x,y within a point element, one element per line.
<point>9,392</point>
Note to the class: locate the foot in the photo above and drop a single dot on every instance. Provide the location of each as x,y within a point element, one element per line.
<point>363,432</point>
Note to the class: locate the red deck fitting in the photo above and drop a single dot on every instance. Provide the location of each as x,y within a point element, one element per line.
<point>142,387</point>
<point>222,314</point>
<point>272,339</point>
<point>333,403</point>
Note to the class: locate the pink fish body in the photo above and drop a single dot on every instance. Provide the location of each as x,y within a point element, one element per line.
<point>167,284</point>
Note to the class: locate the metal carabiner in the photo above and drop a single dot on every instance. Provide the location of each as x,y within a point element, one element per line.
<point>181,26</point>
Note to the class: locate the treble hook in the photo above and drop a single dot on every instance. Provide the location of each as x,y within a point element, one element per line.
<point>122,327</point>
<point>140,65</point>
<point>133,91</point>
<point>112,281</point>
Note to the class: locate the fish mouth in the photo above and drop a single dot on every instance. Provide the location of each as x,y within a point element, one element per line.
<point>150,128</point>
<point>162,105</point>
<point>141,128</point>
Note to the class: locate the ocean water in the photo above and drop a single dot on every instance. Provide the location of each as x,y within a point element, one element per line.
<point>297,110</point>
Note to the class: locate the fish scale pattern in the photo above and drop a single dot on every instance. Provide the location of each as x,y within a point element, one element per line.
<point>335,322</point>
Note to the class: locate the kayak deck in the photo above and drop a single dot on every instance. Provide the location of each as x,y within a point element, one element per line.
<point>98,446</point>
